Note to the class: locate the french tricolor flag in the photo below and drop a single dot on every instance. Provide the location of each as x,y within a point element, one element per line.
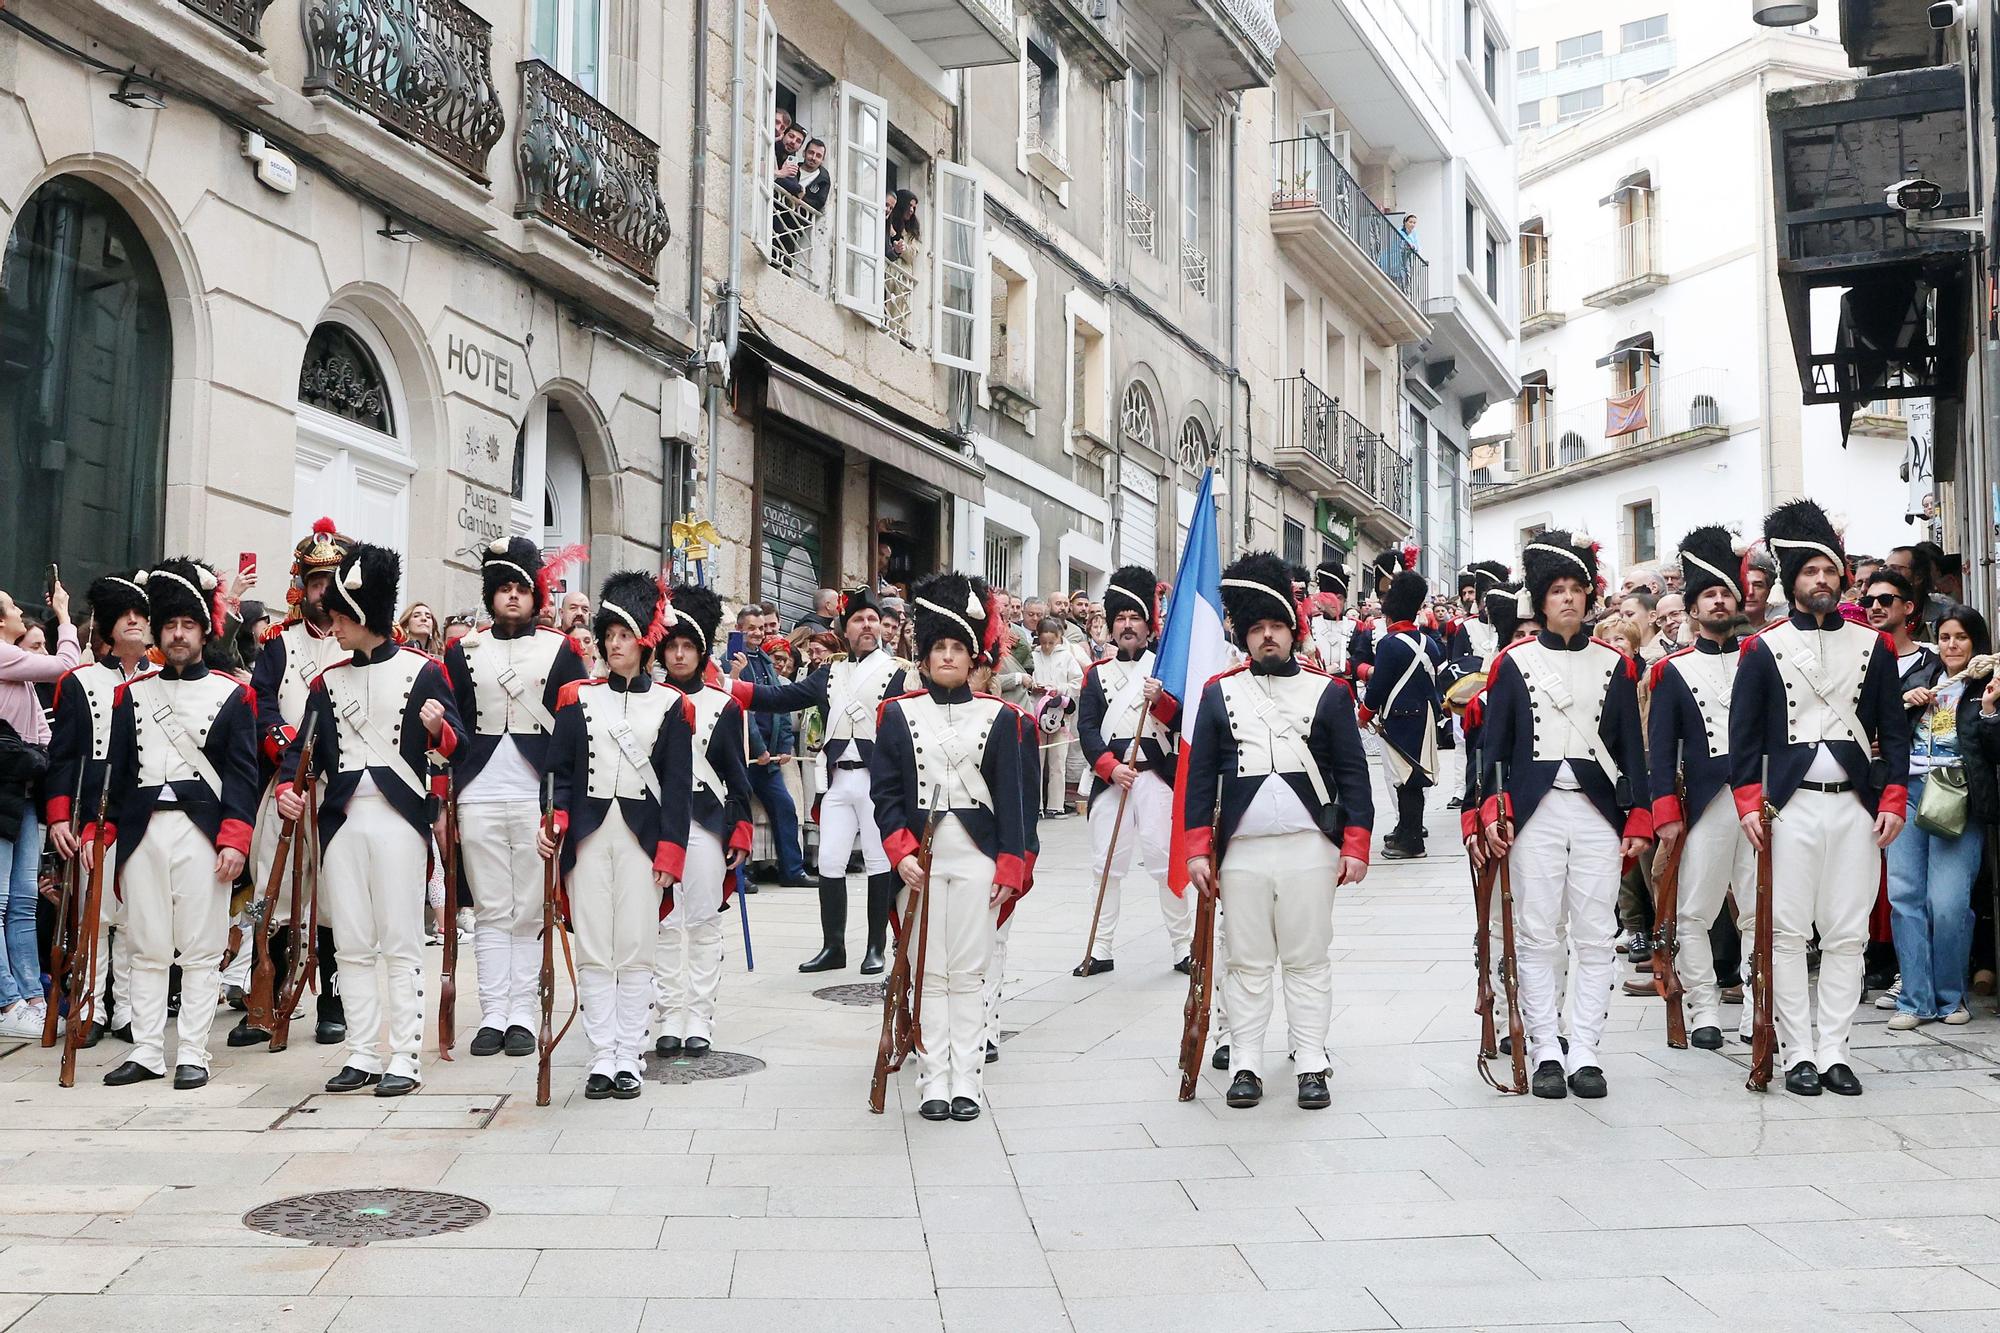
<point>1193,651</point>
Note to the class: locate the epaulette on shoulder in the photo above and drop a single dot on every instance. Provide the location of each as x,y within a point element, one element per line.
<point>567,695</point>
<point>118,695</point>
<point>1659,668</point>
<point>883,707</point>
<point>332,666</point>
<point>1631,666</point>
<point>412,648</point>
<point>273,631</point>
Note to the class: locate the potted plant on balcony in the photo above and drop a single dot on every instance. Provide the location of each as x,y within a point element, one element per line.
<point>1297,192</point>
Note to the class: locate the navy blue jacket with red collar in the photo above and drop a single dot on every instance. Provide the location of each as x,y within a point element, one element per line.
<point>82,717</point>
<point>727,819</point>
<point>1681,738</point>
<point>226,817</point>
<point>1413,712</point>
<point>660,827</point>
<point>476,748</point>
<point>1000,833</point>
<point>1333,741</point>
<point>1031,804</point>
<point>1102,751</point>
<point>1508,735</point>
<point>1765,704</point>
<point>413,741</point>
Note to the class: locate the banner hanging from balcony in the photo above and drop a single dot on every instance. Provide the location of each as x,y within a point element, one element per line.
<point>1625,416</point>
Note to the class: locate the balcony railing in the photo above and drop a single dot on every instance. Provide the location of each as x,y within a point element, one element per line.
<point>801,240</point>
<point>423,68</point>
<point>1306,174</point>
<point>1535,290</point>
<point>1139,222</point>
<point>1628,263</point>
<point>1311,420</point>
<point>241,19</point>
<point>1194,268</point>
<point>1045,146</point>
<point>903,310</point>
<point>1258,21</point>
<point>589,172</point>
<point>1687,404</point>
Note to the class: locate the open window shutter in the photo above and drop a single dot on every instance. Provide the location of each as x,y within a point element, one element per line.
<point>960,270</point>
<point>761,155</point>
<point>864,138</point>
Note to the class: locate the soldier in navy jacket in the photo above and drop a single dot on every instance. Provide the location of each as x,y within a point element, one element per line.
<point>949,751</point>
<point>1474,639</point>
<point>1121,702</point>
<point>1031,788</point>
<point>622,766</point>
<point>1688,749</point>
<point>79,742</point>
<point>1817,729</point>
<point>1277,794</point>
<point>182,772</point>
<point>1565,773</point>
<point>1401,701</point>
<point>508,680</point>
<point>688,965</point>
<point>848,693</point>
<point>384,713</point>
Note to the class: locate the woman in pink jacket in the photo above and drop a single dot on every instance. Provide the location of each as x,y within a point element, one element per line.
<point>22,1006</point>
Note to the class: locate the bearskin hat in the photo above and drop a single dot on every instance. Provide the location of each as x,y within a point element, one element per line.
<point>1483,574</point>
<point>1134,588</point>
<point>1392,562</point>
<point>1255,587</point>
<point>1557,554</point>
<point>110,597</point>
<point>1796,531</point>
<point>1405,596</point>
<point>1331,578</point>
<point>1710,558</point>
<point>182,586</point>
<point>512,560</point>
<point>1502,605</point>
<point>365,585</point>
<point>952,606</point>
<point>692,611</point>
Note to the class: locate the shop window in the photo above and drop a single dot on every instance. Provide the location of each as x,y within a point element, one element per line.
<point>86,364</point>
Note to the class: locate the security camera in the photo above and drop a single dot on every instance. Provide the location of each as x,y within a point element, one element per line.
<point>1915,195</point>
<point>1945,14</point>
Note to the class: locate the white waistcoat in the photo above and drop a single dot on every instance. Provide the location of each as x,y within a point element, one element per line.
<point>1331,638</point>
<point>854,692</point>
<point>708,706</point>
<point>1556,677</point>
<point>1709,678</point>
<point>377,693</point>
<point>1483,638</point>
<point>1838,661</point>
<point>604,710</point>
<point>1123,723</point>
<point>488,660</point>
<point>1271,718</point>
<point>306,656</point>
<point>949,743</point>
<point>195,704</point>
<point>100,688</point>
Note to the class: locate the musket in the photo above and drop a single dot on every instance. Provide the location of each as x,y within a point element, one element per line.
<point>83,980</point>
<point>448,920</point>
<point>1111,850</point>
<point>1482,944</point>
<point>261,1000</point>
<point>1666,928</point>
<point>303,957</point>
<point>1201,967</point>
<point>548,1039</point>
<point>1763,1029</point>
<point>1510,963</point>
<point>64,944</point>
<point>903,993</point>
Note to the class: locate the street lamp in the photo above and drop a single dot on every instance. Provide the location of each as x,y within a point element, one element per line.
<point>1784,13</point>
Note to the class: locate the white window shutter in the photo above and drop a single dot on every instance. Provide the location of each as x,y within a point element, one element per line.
<point>762,153</point>
<point>864,140</point>
<point>958,276</point>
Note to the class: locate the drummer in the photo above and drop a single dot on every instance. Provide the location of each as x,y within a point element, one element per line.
<point>1057,678</point>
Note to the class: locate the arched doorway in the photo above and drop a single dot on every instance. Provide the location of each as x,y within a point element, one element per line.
<point>549,467</point>
<point>86,366</point>
<point>353,461</point>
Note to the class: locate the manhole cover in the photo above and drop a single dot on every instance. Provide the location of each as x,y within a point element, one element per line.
<point>356,1217</point>
<point>700,1068</point>
<point>854,992</point>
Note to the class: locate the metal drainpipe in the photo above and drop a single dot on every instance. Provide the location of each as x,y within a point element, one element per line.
<point>1238,503</point>
<point>730,309</point>
<point>671,487</point>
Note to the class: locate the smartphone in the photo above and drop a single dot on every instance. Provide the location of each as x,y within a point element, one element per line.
<point>735,643</point>
<point>49,585</point>
<point>246,565</point>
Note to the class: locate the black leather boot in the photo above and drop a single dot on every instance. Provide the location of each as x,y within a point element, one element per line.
<point>832,955</point>
<point>881,902</point>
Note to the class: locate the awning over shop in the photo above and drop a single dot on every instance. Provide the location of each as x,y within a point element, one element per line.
<point>819,409</point>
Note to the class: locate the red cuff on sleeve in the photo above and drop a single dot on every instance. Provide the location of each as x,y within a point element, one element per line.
<point>740,691</point>
<point>1750,799</point>
<point>1667,810</point>
<point>440,785</point>
<point>1354,841</point>
<point>741,837</point>
<point>560,818</point>
<point>670,858</point>
<point>1200,841</point>
<point>1009,871</point>
<point>447,740</point>
<point>899,844</point>
<point>1166,708</point>
<point>1028,872</point>
<point>105,833</point>
<point>1468,824</point>
<point>1497,809</point>
<point>57,810</point>
<point>1639,824</point>
<point>1363,715</point>
<point>1363,670</point>
<point>1103,766</point>
<point>235,835</point>
<point>1895,800</point>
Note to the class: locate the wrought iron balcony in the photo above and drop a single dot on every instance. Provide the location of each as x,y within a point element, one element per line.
<point>1139,221</point>
<point>241,19</point>
<point>1324,448</point>
<point>423,68</point>
<point>588,172</point>
<point>1194,268</point>
<point>1316,203</point>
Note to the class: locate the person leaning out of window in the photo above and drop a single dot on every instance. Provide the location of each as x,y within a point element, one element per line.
<point>1954,708</point>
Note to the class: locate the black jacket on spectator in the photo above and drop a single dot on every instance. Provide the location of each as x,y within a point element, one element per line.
<point>1978,742</point>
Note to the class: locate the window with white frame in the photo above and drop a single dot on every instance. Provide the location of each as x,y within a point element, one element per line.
<point>1142,154</point>
<point>1003,559</point>
<point>861,181</point>
<point>1570,106</point>
<point>1494,247</point>
<point>1576,50</point>
<point>1489,69</point>
<point>569,35</point>
<point>1646,32</point>
<point>1528,60</point>
<point>959,259</point>
<point>1528,115</point>
<point>1197,195</point>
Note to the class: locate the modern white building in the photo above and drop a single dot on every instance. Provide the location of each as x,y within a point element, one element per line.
<point>1658,389</point>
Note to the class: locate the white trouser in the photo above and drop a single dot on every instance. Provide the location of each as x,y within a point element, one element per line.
<point>114,944</point>
<point>1565,865</point>
<point>372,885</point>
<point>957,950</point>
<point>1278,893</point>
<point>847,812</point>
<point>173,904</point>
<point>496,841</point>
<point>1718,861</point>
<point>1825,872</point>
<point>1144,832</point>
<point>615,910</point>
<point>687,957</point>
<point>996,978</point>
<point>264,851</point>
<point>1055,754</point>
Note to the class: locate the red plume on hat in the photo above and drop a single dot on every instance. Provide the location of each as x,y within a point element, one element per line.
<point>662,614</point>
<point>1411,553</point>
<point>553,567</point>
<point>994,632</point>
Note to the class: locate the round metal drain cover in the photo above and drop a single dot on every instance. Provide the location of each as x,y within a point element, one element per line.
<point>356,1217</point>
<point>854,992</point>
<point>700,1068</point>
